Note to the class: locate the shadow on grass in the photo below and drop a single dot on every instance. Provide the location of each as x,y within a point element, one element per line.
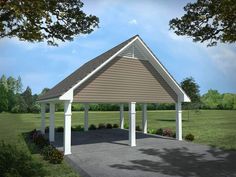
<point>183,162</point>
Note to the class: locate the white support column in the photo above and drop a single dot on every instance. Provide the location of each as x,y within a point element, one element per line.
<point>43,118</point>
<point>178,120</point>
<point>52,123</point>
<point>122,116</point>
<point>132,133</point>
<point>67,127</point>
<point>144,118</point>
<point>86,108</point>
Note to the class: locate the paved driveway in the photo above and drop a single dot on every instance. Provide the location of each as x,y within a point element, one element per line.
<point>105,153</point>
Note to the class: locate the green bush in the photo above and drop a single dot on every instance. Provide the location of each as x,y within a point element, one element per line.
<point>92,127</point>
<point>151,131</point>
<point>189,137</point>
<point>52,154</point>
<point>101,126</point>
<point>138,128</point>
<point>159,131</point>
<point>109,126</point>
<point>46,152</point>
<point>56,156</point>
<point>78,128</point>
<point>60,129</point>
<point>126,126</point>
<point>47,129</point>
<point>17,163</point>
<point>115,126</point>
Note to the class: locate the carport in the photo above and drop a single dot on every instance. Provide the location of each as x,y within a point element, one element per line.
<point>127,73</point>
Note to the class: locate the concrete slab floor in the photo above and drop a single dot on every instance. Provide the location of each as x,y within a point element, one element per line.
<point>105,153</point>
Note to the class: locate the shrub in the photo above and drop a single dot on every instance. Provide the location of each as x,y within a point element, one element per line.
<point>138,128</point>
<point>15,162</point>
<point>60,129</point>
<point>56,156</point>
<point>47,129</point>
<point>52,154</point>
<point>101,126</point>
<point>159,131</point>
<point>92,127</point>
<point>151,131</point>
<point>109,126</point>
<point>167,132</point>
<point>38,138</point>
<point>115,126</point>
<point>174,135</point>
<point>189,137</point>
<point>126,126</point>
<point>46,152</point>
<point>77,128</point>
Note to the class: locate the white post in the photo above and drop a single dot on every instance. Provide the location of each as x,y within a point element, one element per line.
<point>43,118</point>
<point>178,121</point>
<point>67,127</point>
<point>122,116</point>
<point>86,108</point>
<point>132,112</point>
<point>144,118</point>
<point>52,122</point>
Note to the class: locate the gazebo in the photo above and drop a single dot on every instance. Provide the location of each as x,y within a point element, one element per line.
<point>127,73</point>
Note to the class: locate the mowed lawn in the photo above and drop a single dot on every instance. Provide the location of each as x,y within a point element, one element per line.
<point>212,127</point>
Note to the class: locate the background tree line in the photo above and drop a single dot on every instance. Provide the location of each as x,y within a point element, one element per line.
<point>14,99</point>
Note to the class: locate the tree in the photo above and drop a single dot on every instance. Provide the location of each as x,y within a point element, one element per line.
<point>208,20</point>
<point>3,81</point>
<point>191,88</point>
<point>3,98</point>
<point>19,85</point>
<point>11,82</point>
<point>212,99</point>
<point>27,96</point>
<point>41,20</point>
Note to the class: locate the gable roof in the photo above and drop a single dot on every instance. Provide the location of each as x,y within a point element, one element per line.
<point>64,89</point>
<point>63,86</point>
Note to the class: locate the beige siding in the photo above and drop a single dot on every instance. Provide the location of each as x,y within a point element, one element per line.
<point>126,80</point>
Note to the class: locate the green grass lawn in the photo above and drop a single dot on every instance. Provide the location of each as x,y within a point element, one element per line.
<point>212,127</point>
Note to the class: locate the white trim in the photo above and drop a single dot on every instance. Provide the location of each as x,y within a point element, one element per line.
<point>175,87</point>
<point>68,96</point>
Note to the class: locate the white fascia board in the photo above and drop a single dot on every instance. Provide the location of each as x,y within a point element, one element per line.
<point>48,100</point>
<point>182,96</point>
<point>69,94</point>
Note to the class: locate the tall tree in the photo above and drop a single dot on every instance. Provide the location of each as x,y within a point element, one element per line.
<point>212,99</point>
<point>44,20</point>
<point>19,85</point>
<point>208,20</point>
<point>11,82</point>
<point>27,96</point>
<point>191,88</point>
<point>3,81</point>
<point>3,98</point>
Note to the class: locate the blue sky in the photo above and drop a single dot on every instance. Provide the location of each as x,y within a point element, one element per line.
<point>43,66</point>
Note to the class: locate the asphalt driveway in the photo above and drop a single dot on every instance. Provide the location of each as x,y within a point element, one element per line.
<point>105,153</point>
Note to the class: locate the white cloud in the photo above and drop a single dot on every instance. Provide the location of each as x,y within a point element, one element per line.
<point>133,22</point>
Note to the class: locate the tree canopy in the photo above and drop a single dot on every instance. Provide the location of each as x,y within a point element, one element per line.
<point>208,20</point>
<point>191,88</point>
<point>43,20</point>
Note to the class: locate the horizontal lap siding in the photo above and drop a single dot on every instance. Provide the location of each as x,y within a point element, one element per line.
<point>126,80</point>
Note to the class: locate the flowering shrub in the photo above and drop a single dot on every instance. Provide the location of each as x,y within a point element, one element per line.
<point>167,132</point>
<point>52,154</point>
<point>159,131</point>
<point>38,138</point>
<point>138,128</point>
